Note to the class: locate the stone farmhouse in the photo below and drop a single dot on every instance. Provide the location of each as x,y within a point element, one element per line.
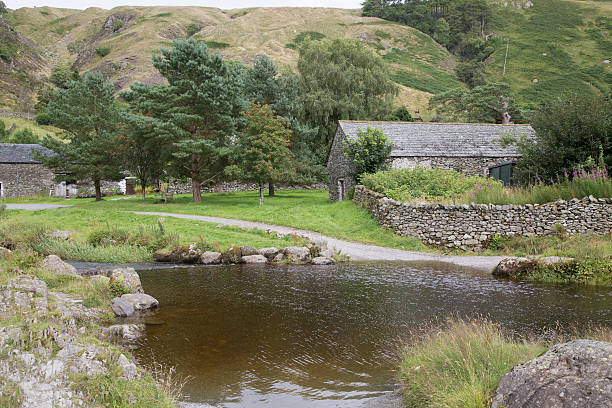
<point>470,148</point>
<point>21,175</point>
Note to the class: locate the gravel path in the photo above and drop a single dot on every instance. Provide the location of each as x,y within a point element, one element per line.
<point>34,207</point>
<point>357,251</point>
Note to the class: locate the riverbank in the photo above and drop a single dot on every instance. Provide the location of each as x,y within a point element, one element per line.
<point>459,363</point>
<point>56,349</point>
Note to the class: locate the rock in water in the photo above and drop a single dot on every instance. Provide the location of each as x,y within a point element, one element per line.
<point>248,251</point>
<point>122,308</point>
<point>187,254</point>
<point>140,301</point>
<point>323,260</point>
<point>298,254</point>
<point>54,264</point>
<point>254,259</point>
<point>574,374</point>
<point>211,258</point>
<point>269,253</point>
<point>128,332</point>
<point>517,267</point>
<point>128,278</point>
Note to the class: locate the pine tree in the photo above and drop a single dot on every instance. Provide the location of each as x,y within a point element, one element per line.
<point>203,101</point>
<point>87,111</point>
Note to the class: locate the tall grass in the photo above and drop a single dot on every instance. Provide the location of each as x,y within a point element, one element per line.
<point>459,364</point>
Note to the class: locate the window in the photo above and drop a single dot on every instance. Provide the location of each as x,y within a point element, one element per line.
<point>1,190</point>
<point>340,189</point>
<point>503,172</point>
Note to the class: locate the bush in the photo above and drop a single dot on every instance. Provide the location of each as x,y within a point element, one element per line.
<point>103,51</point>
<point>42,119</point>
<point>24,136</point>
<point>369,153</point>
<point>191,29</point>
<point>424,184</point>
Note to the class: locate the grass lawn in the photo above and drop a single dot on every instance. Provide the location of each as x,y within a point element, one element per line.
<point>307,209</point>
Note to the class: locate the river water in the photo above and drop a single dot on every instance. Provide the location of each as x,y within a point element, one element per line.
<point>329,336</point>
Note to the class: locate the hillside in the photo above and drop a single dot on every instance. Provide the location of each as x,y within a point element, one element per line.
<point>554,47</point>
<point>119,42</point>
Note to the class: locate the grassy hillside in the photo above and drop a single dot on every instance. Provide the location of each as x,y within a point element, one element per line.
<point>554,47</point>
<point>16,124</point>
<point>119,42</point>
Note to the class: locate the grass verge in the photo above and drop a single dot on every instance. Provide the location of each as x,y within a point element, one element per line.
<point>459,364</point>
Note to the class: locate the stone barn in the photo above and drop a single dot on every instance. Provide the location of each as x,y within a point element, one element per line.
<point>470,148</point>
<point>21,175</point>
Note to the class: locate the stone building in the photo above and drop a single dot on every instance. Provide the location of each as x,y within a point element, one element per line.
<point>470,148</point>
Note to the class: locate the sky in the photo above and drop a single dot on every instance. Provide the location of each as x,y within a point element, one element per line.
<point>224,4</point>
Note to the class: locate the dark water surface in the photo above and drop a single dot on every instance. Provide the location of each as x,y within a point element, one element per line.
<point>303,336</point>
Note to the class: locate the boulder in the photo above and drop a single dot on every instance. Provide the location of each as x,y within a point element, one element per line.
<point>140,301</point>
<point>128,332</point>
<point>269,253</point>
<point>323,260</point>
<point>122,308</point>
<point>128,278</point>
<point>4,252</point>
<point>574,374</point>
<point>187,254</point>
<point>130,371</point>
<point>279,257</point>
<point>100,278</point>
<point>54,264</point>
<point>297,254</point>
<point>59,234</point>
<point>254,259</point>
<point>517,267</point>
<point>248,251</point>
<point>211,258</point>
<point>233,255</point>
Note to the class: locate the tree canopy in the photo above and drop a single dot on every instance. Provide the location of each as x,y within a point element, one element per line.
<point>368,153</point>
<point>87,112</point>
<point>200,107</point>
<point>342,79</point>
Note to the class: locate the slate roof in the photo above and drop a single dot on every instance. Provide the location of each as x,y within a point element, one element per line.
<point>414,139</point>
<point>21,153</point>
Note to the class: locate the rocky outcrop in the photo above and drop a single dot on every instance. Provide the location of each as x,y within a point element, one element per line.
<point>123,332</point>
<point>128,278</point>
<point>53,263</point>
<point>574,374</point>
<point>122,308</point>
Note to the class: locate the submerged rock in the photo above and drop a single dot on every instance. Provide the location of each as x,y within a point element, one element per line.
<point>517,267</point>
<point>53,263</point>
<point>128,278</point>
<point>254,259</point>
<point>574,374</point>
<point>211,258</point>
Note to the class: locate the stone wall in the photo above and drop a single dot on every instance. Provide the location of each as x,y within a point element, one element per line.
<point>20,115</point>
<point>473,166</point>
<point>339,169</point>
<point>180,187</point>
<point>22,180</point>
<point>472,226</point>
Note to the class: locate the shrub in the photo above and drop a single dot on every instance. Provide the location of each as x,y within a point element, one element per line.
<point>191,29</point>
<point>42,119</point>
<point>369,153</point>
<point>103,51</point>
<point>424,184</point>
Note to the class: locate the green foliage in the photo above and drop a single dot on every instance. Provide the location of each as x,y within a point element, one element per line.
<point>423,184</point>
<point>42,119</point>
<point>103,51</point>
<point>22,136</point>
<point>442,32</point>
<point>151,237</point>
<point>3,8</point>
<point>160,15</point>
<point>117,288</point>
<point>303,37</point>
<point>5,53</point>
<point>368,153</point>
<point>192,28</point>
<point>199,108</point>
<point>490,103</point>
<point>87,112</point>
<point>262,152</point>
<point>401,114</point>
<point>118,24</point>
<point>2,130</point>
<point>471,72</point>
<point>342,79</point>
<point>459,365</point>
<point>569,132</point>
<point>216,44</point>
<point>60,76</point>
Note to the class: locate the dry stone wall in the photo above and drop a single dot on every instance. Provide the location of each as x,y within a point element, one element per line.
<point>474,166</point>
<point>25,179</point>
<point>181,187</point>
<point>474,225</point>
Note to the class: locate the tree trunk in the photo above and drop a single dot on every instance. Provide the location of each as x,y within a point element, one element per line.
<point>143,184</point>
<point>271,189</point>
<point>195,188</point>
<point>506,118</point>
<point>98,190</point>
<point>261,193</point>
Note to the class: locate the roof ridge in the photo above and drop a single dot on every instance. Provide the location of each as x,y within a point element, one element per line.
<point>433,123</point>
